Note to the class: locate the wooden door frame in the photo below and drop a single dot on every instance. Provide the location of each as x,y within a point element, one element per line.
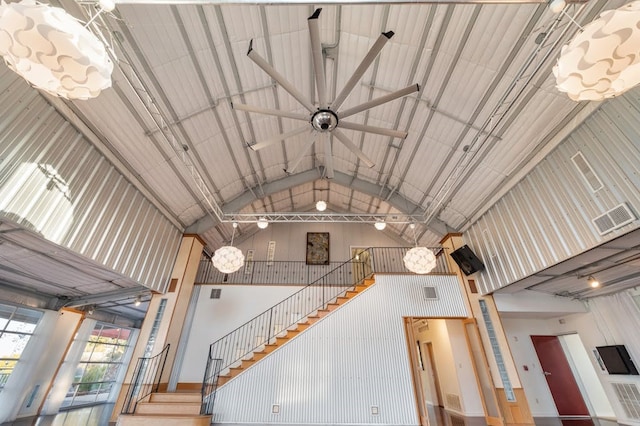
<point>418,391</point>
<point>434,372</point>
<point>493,421</point>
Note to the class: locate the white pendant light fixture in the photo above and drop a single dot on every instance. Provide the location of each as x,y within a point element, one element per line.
<point>53,51</point>
<point>419,260</point>
<point>228,259</point>
<point>603,59</point>
<point>380,225</point>
<point>262,223</point>
<point>321,206</point>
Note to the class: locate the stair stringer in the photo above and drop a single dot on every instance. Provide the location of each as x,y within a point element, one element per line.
<point>353,360</point>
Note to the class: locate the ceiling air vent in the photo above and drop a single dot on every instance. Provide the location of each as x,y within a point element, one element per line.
<point>614,219</point>
<point>629,398</point>
<point>587,172</point>
<point>215,293</point>
<point>430,293</point>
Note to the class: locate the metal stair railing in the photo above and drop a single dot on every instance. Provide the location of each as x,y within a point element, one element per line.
<point>210,384</point>
<point>266,326</point>
<point>146,379</point>
<point>259,331</point>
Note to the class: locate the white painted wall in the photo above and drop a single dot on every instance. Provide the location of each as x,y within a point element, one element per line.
<point>518,332</point>
<point>453,364</point>
<point>346,363</point>
<point>586,376</point>
<point>291,240</point>
<point>609,320</point>
<point>215,318</point>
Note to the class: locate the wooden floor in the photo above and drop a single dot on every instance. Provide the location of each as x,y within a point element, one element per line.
<point>99,416</point>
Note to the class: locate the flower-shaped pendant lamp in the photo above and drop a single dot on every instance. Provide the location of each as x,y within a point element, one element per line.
<point>53,51</point>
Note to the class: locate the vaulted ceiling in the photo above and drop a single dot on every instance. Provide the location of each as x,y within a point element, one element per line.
<point>486,105</point>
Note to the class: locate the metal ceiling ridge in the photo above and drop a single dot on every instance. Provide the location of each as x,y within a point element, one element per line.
<point>322,217</point>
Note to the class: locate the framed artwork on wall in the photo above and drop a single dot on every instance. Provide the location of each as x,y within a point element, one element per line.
<point>317,248</point>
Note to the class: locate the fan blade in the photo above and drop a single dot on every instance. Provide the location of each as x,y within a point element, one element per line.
<point>328,156</point>
<point>312,138</point>
<point>362,68</point>
<point>316,53</point>
<point>259,61</point>
<point>379,101</point>
<point>276,112</point>
<point>372,129</point>
<point>278,138</point>
<point>347,142</point>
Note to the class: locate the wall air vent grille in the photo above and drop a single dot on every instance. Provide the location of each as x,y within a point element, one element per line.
<point>587,172</point>
<point>614,219</point>
<point>453,402</point>
<point>430,293</point>
<point>215,293</point>
<point>629,398</point>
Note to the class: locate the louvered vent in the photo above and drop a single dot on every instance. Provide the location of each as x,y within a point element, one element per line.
<point>453,402</point>
<point>215,293</point>
<point>629,398</point>
<point>430,293</point>
<point>587,172</point>
<point>614,219</point>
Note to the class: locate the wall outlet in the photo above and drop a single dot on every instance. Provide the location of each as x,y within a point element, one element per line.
<point>275,409</point>
<point>375,410</point>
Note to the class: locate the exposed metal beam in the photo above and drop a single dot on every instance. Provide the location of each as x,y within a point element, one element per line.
<point>405,206</point>
<point>109,296</point>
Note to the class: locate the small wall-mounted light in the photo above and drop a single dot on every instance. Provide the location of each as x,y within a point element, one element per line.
<point>593,283</point>
<point>90,310</point>
<point>138,301</point>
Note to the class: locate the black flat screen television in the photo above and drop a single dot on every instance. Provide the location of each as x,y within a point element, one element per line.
<point>616,359</point>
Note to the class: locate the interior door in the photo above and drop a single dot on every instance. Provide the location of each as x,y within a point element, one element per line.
<point>562,384</point>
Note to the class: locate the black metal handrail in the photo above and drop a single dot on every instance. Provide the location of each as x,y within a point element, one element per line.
<point>265,327</point>
<point>210,384</point>
<point>384,260</point>
<point>146,379</point>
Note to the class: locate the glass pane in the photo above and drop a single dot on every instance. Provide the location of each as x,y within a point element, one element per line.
<point>6,368</point>
<point>24,320</point>
<point>88,352</point>
<point>94,373</point>
<point>79,372</point>
<point>6,312</point>
<point>118,353</point>
<point>12,345</point>
<point>103,393</point>
<point>125,333</point>
<point>110,335</point>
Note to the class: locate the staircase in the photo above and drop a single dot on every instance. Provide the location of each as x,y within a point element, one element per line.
<point>289,333</point>
<point>167,409</point>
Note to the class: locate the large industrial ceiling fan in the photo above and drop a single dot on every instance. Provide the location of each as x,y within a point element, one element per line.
<point>326,118</point>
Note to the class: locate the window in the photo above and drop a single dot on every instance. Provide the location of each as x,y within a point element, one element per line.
<point>99,365</point>
<point>16,328</point>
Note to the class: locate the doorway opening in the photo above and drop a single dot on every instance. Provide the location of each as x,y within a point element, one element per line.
<point>571,377</point>
<point>447,383</point>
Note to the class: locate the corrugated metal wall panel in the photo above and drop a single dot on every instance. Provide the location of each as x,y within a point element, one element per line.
<point>547,217</point>
<point>54,182</point>
<point>353,359</point>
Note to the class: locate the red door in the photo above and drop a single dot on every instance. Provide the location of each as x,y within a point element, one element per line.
<point>560,379</point>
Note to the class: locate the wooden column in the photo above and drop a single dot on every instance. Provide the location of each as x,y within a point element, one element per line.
<point>516,410</point>
<point>174,304</point>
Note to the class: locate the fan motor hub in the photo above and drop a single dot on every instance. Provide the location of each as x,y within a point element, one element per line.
<point>324,120</point>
